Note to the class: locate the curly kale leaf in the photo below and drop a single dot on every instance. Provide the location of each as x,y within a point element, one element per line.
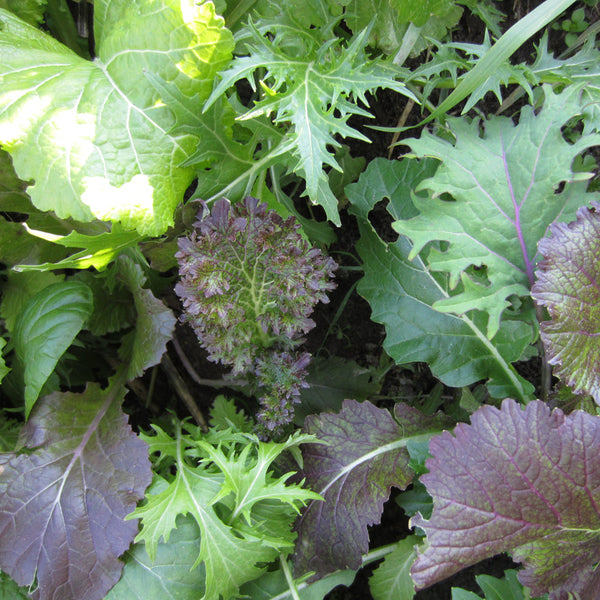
<point>568,284</point>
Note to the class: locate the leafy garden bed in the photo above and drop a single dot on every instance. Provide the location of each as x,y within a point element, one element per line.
<point>296,295</point>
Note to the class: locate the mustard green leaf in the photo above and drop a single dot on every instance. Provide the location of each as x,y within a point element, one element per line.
<point>44,330</point>
<point>391,580</point>
<point>170,575</point>
<point>64,496</point>
<point>524,480</point>
<point>94,136</point>
<point>568,281</point>
<point>31,11</point>
<point>314,85</point>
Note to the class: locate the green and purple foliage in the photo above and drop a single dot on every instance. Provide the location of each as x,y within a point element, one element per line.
<point>568,281</point>
<point>249,283</point>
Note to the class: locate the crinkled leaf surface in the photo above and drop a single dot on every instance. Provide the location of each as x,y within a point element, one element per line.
<point>503,183</point>
<point>568,284</point>
<point>45,328</point>
<point>364,455</point>
<point>402,294</point>
<point>63,504</point>
<point>522,480</point>
<point>306,78</point>
<point>170,575</point>
<point>93,135</point>
<point>145,345</point>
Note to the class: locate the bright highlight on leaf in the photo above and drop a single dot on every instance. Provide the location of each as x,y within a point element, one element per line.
<point>519,480</point>
<point>569,286</point>
<point>92,135</point>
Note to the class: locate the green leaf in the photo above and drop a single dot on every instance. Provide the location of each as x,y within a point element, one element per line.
<point>98,250</point>
<point>303,89</point>
<point>145,345</point>
<point>170,575</point>
<point>402,292</point>
<point>434,17</point>
<point>3,368</point>
<point>330,382</point>
<point>94,135</point>
<point>503,184</point>
<point>31,11</point>
<point>224,414</point>
<point>45,328</point>
<point>243,512</point>
<point>9,590</point>
<point>18,289</point>
<point>9,430</point>
<point>12,189</point>
<point>391,580</point>
<point>515,37</point>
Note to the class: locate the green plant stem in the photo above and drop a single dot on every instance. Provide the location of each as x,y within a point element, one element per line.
<point>288,577</point>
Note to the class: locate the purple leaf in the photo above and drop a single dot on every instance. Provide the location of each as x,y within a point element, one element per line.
<point>63,504</point>
<point>568,284</point>
<point>519,480</point>
<point>364,455</point>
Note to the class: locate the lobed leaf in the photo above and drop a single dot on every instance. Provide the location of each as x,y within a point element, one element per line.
<point>362,456</point>
<point>568,281</point>
<point>503,188</point>
<point>402,294</point>
<point>391,580</point>
<point>303,90</point>
<point>44,330</point>
<point>522,480</point>
<point>64,497</point>
<point>144,346</point>
<point>243,512</point>
<point>93,135</point>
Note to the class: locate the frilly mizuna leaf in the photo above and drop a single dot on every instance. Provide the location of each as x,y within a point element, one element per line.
<point>302,86</point>
<point>364,455</point>
<point>520,480</point>
<point>503,184</point>
<point>402,294</point>
<point>154,326</point>
<point>93,135</point>
<point>63,502</point>
<point>45,329</point>
<point>569,286</point>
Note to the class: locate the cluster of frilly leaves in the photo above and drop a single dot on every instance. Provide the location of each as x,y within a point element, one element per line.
<point>249,283</point>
